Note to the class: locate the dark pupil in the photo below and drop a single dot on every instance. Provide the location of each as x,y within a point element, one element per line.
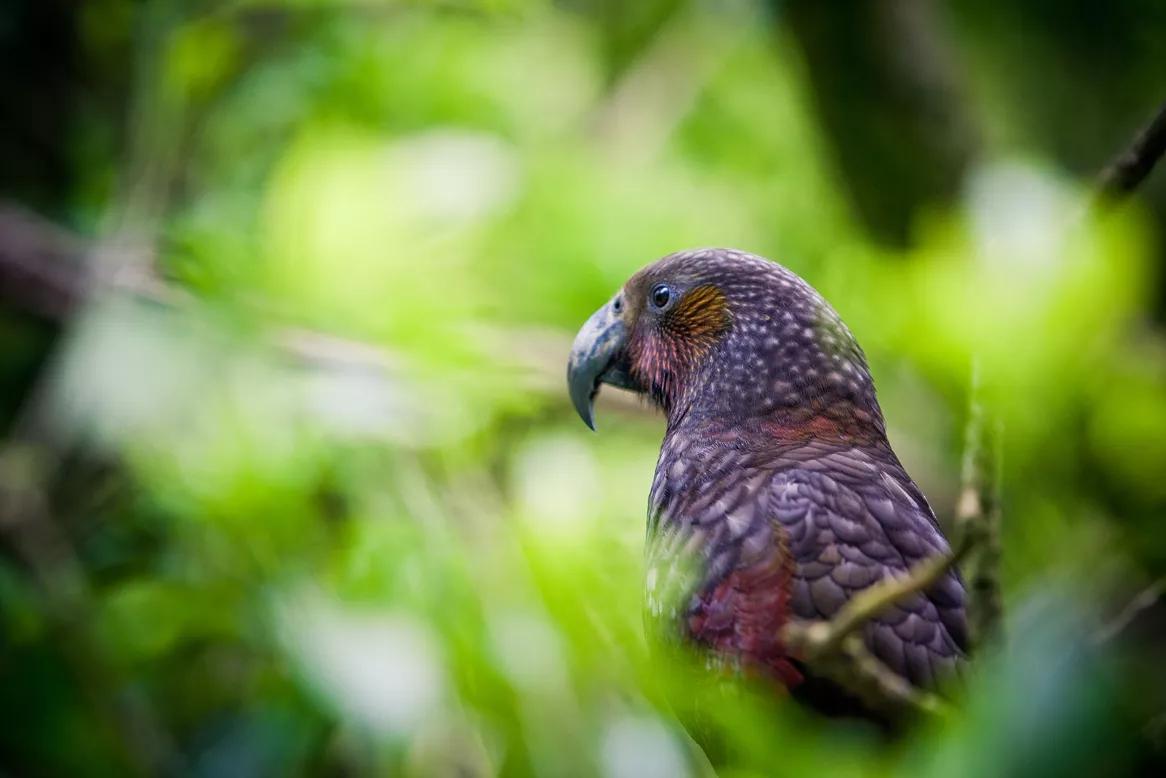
<point>661,295</point>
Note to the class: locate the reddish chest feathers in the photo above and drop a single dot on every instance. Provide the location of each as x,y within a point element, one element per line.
<point>712,509</point>
<point>740,617</point>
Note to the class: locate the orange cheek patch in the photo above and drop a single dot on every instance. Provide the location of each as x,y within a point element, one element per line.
<point>699,318</point>
<point>663,358</point>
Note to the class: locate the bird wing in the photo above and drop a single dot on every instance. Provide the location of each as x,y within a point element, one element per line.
<point>850,520</point>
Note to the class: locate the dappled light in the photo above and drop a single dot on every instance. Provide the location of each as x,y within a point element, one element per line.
<point>291,483</point>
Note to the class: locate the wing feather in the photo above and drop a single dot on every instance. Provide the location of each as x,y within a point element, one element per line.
<point>846,530</point>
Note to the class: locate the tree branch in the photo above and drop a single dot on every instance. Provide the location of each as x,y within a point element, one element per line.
<point>1127,171</point>
<point>1142,601</point>
<point>836,650</point>
<point>978,517</point>
<point>819,638</point>
<point>41,267</point>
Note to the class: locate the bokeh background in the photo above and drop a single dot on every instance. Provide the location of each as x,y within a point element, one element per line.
<point>289,483</point>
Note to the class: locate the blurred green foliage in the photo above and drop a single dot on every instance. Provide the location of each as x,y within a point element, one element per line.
<point>333,513</point>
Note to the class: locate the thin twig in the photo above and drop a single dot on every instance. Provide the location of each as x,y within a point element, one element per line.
<point>836,651</point>
<point>820,638</point>
<point>883,689</point>
<point>853,667</point>
<point>978,517</point>
<point>41,265</point>
<point>1142,601</point>
<point>1130,168</point>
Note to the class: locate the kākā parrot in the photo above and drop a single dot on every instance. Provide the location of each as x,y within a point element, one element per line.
<point>776,487</point>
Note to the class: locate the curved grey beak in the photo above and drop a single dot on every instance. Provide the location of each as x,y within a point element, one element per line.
<point>595,359</point>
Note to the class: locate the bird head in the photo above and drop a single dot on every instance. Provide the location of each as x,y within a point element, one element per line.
<point>726,335</point>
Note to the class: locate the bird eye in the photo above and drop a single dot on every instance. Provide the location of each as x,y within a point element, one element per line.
<point>661,295</point>
<point>617,304</point>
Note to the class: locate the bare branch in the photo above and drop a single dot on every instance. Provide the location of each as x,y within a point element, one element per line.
<point>1142,601</point>
<point>883,689</point>
<point>853,667</point>
<point>836,651</point>
<point>41,265</point>
<point>821,638</point>
<point>978,517</point>
<point>1127,171</point>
